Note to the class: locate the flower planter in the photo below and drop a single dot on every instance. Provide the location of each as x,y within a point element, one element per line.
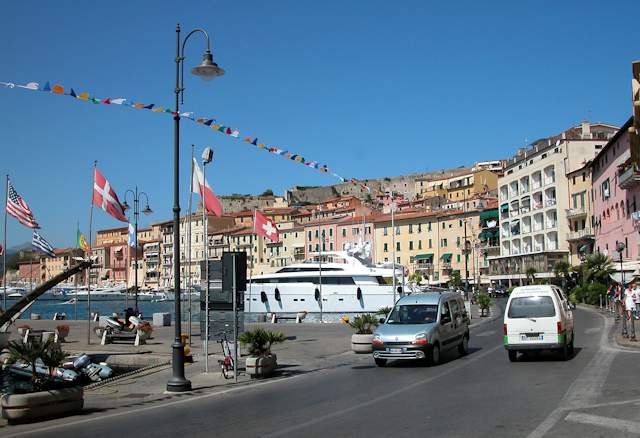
<point>18,408</point>
<point>23,330</point>
<point>262,366</point>
<point>62,333</point>
<point>361,343</point>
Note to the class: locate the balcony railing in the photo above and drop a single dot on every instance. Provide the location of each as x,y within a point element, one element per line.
<point>629,177</point>
<point>426,266</point>
<point>576,212</point>
<point>585,233</point>
<point>445,265</point>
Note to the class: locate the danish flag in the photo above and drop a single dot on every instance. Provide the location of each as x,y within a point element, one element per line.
<point>265,227</point>
<point>105,197</point>
<point>201,187</point>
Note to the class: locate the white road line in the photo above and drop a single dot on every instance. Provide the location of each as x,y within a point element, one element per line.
<point>587,387</point>
<point>489,333</point>
<point>322,418</point>
<point>608,422</point>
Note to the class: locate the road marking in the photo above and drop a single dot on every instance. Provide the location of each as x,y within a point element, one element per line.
<point>592,330</point>
<point>320,419</point>
<point>587,387</point>
<point>489,333</point>
<point>608,422</point>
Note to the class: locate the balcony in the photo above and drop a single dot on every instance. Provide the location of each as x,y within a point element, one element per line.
<point>445,266</point>
<point>584,234</point>
<point>427,266</point>
<point>576,212</point>
<point>628,176</point>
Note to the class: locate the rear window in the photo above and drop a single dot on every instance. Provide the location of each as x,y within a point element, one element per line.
<point>532,307</point>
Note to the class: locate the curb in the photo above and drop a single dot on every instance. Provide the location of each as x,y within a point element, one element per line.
<point>612,335</point>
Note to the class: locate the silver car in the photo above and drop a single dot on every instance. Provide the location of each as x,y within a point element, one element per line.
<point>421,326</point>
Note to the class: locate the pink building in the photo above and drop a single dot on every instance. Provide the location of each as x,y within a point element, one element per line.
<point>338,233</point>
<point>616,192</point>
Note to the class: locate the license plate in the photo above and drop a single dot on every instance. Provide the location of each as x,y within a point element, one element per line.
<point>531,337</point>
<point>395,350</point>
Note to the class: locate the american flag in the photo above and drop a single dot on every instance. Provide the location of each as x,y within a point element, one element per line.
<point>19,209</point>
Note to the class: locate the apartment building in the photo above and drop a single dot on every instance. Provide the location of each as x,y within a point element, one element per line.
<point>432,243</point>
<point>616,193</point>
<point>534,195</point>
<point>579,215</point>
<point>459,185</point>
<point>63,260</point>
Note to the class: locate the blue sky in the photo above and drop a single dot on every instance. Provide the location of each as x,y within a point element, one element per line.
<point>371,88</point>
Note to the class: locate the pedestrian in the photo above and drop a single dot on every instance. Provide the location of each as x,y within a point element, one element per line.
<point>637,295</point>
<point>611,296</point>
<point>630,300</point>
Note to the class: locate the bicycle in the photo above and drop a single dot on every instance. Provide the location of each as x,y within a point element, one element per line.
<point>226,363</point>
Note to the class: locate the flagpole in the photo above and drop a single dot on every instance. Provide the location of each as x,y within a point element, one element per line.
<point>4,250</point>
<point>93,179</point>
<point>75,301</point>
<point>205,223</point>
<point>190,216</point>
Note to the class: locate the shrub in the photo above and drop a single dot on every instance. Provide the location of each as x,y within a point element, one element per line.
<point>384,311</point>
<point>259,341</point>
<point>364,324</point>
<point>484,302</point>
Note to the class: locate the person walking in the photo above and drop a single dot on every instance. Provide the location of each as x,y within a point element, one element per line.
<point>630,299</point>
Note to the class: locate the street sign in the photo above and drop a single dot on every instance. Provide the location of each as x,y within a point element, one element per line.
<point>220,324</point>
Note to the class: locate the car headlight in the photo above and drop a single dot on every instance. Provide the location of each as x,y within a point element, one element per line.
<point>420,339</point>
<point>377,339</point>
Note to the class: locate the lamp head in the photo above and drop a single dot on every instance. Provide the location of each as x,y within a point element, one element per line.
<point>207,155</point>
<point>207,69</point>
<point>125,206</point>
<point>147,210</point>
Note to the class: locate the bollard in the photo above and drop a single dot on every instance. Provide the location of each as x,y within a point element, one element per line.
<point>600,298</point>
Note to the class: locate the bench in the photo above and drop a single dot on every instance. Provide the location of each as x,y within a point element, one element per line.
<point>110,337</point>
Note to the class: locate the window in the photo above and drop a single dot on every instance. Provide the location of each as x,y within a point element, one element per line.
<point>384,231</point>
<point>386,247</point>
<point>397,230</point>
<point>398,260</point>
<point>429,226</point>
<point>316,234</point>
<point>419,244</point>
<point>330,232</point>
<point>605,189</point>
<point>344,232</point>
<point>443,226</point>
<point>430,245</point>
<point>397,246</point>
<point>584,176</point>
<point>443,242</point>
<point>532,307</point>
<point>419,228</point>
<point>458,242</point>
<point>460,222</point>
<point>330,246</point>
<point>411,245</point>
<point>458,258</point>
<point>445,314</point>
<point>410,228</point>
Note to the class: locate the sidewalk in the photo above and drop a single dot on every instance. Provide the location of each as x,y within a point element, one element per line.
<point>617,328</point>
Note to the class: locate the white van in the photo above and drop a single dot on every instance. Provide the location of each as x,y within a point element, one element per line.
<point>538,318</point>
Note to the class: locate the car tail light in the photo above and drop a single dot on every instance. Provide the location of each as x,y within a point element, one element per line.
<point>505,329</point>
<point>559,324</point>
<point>420,342</point>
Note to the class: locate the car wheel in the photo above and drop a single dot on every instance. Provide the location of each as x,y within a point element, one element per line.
<point>380,362</point>
<point>463,347</point>
<point>434,357</point>
<point>513,355</point>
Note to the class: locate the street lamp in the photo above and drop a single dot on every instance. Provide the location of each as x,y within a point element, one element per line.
<point>620,246</point>
<point>207,70</point>
<point>136,214</point>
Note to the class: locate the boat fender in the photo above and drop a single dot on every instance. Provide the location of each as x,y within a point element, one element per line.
<point>263,297</point>
<point>277,292</point>
<point>359,294</point>
<point>317,294</point>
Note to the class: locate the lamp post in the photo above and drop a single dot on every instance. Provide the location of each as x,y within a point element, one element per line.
<point>620,246</point>
<point>207,70</point>
<point>136,215</point>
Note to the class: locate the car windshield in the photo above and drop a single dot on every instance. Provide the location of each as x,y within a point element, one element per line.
<point>413,314</point>
<point>532,307</point>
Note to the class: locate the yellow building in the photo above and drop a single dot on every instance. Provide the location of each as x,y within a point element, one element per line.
<point>456,186</point>
<point>52,266</point>
<point>431,243</point>
<point>581,236</point>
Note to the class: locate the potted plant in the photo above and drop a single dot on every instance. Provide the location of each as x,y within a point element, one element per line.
<point>261,361</point>
<point>484,302</point>
<point>62,331</point>
<point>48,398</point>
<point>364,325</point>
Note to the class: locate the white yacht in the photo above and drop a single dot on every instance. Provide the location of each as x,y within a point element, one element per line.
<point>349,285</point>
<point>112,293</point>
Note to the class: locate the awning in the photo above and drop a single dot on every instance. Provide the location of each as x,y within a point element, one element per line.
<point>491,223</point>
<point>423,257</point>
<point>485,235</point>
<point>504,207</point>
<point>488,214</point>
<point>446,257</point>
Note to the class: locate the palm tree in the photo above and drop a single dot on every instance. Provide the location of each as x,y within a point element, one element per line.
<point>561,271</point>
<point>531,274</point>
<point>52,357</point>
<point>28,353</point>
<point>599,267</point>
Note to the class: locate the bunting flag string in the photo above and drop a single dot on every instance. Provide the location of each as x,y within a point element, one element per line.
<point>211,123</point>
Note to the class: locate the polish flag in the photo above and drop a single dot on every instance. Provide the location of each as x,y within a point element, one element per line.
<point>201,187</point>
<point>105,197</point>
<point>265,227</point>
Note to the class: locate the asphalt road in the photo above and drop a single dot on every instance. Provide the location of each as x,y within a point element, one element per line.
<point>482,394</point>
